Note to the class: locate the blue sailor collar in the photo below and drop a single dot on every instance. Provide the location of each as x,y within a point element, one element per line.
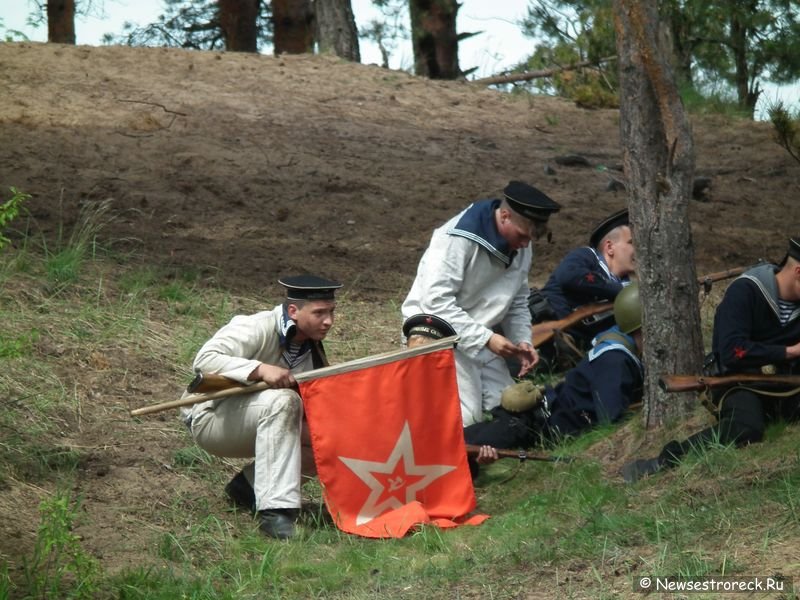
<point>614,339</point>
<point>288,328</point>
<point>287,331</point>
<point>478,224</point>
<point>603,265</point>
<point>764,278</point>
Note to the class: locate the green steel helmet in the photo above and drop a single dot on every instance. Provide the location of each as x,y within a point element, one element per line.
<point>628,309</point>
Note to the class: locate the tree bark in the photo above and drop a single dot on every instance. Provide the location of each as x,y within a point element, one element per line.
<point>678,25</point>
<point>293,26</point>
<point>237,19</point>
<point>434,38</point>
<point>658,158</point>
<point>336,29</point>
<point>61,21</point>
<point>679,32</point>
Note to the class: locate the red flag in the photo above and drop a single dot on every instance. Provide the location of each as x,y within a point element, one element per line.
<point>389,445</point>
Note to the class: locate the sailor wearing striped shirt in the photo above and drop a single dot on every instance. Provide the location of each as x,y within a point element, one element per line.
<point>474,275</point>
<point>756,330</point>
<point>268,426</point>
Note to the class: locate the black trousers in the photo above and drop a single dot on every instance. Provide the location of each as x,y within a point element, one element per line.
<point>508,430</point>
<point>743,417</point>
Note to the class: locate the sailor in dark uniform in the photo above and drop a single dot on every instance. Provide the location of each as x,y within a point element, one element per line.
<point>756,330</point>
<point>586,275</point>
<point>598,390</point>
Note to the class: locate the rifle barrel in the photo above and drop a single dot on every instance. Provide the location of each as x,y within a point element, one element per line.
<point>722,275</point>
<point>521,455</point>
<point>696,383</point>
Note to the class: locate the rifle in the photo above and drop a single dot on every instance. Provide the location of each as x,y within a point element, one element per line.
<point>707,280</point>
<point>543,332</point>
<point>205,383</point>
<point>521,455</point>
<point>696,383</point>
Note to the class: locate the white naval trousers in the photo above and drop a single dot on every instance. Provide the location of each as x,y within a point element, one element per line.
<point>265,425</point>
<point>481,381</point>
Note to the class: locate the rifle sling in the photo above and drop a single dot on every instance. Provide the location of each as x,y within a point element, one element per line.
<point>759,391</point>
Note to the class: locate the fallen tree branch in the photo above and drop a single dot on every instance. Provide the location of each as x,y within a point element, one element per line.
<point>161,106</point>
<point>528,75</point>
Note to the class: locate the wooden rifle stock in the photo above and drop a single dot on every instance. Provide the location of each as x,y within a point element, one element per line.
<point>204,383</point>
<point>210,386</point>
<point>720,275</point>
<point>543,332</point>
<point>707,280</point>
<point>696,383</point>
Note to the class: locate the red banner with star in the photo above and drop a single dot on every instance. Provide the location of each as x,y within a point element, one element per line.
<point>389,446</point>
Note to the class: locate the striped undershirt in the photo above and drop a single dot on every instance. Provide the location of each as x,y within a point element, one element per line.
<point>293,353</point>
<point>785,310</point>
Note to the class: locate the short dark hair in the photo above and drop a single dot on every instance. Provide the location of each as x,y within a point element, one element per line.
<point>298,303</point>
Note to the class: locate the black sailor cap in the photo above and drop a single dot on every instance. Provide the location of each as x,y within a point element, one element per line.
<point>531,203</point>
<point>309,287</point>
<point>612,221</point>
<point>427,325</point>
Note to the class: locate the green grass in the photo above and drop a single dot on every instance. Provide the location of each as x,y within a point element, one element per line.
<point>566,529</point>
<point>58,566</point>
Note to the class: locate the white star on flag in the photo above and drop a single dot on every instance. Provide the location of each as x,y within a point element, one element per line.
<point>411,478</point>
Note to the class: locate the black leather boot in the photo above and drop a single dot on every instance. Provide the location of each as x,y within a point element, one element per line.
<point>641,467</point>
<point>241,493</point>
<point>277,523</point>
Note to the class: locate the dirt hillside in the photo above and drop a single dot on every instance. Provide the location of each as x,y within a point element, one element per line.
<point>251,167</point>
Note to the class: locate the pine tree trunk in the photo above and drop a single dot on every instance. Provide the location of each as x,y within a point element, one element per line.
<point>658,157</point>
<point>434,38</point>
<point>61,21</point>
<point>292,26</point>
<point>336,29</point>
<point>237,18</point>
<point>679,34</point>
<point>739,36</point>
